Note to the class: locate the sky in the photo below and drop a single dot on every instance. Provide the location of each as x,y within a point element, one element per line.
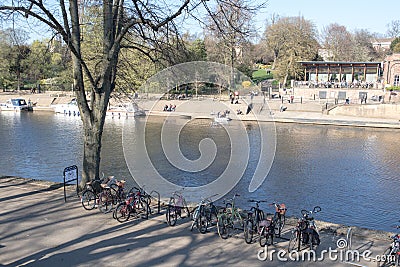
<point>353,14</point>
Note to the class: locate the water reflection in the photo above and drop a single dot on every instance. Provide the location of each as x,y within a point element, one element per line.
<point>352,173</point>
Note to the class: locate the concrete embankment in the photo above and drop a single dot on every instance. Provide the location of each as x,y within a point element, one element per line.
<point>39,229</point>
<point>304,111</point>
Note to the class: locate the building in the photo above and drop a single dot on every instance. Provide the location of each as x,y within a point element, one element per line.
<point>391,70</point>
<point>382,44</point>
<point>341,72</point>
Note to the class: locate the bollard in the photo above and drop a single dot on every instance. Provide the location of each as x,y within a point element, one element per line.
<point>301,100</point>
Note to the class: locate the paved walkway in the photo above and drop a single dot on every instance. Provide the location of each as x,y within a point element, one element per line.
<point>39,229</point>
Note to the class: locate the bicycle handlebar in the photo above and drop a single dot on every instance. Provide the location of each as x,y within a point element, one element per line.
<point>307,213</point>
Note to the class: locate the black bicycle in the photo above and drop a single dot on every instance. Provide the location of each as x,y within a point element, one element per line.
<point>252,223</point>
<point>306,231</point>
<point>204,215</point>
<point>279,218</point>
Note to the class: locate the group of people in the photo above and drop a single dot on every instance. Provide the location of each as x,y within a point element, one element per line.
<point>223,114</point>
<point>169,107</point>
<point>234,97</point>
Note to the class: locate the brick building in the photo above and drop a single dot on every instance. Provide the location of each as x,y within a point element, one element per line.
<point>391,70</point>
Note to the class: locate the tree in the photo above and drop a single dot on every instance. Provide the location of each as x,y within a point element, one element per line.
<point>291,39</point>
<point>228,33</point>
<point>393,28</point>
<point>338,40</point>
<point>395,45</point>
<point>141,26</point>
<point>15,52</point>
<point>362,49</point>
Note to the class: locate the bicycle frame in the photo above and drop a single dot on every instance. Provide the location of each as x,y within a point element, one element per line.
<point>202,214</point>
<point>228,218</point>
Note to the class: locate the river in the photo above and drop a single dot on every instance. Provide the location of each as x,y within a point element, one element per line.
<point>352,173</point>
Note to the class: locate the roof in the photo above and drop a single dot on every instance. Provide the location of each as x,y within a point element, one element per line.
<point>340,63</point>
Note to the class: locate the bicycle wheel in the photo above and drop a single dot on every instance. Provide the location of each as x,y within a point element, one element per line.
<point>248,230</point>
<point>266,237</point>
<point>311,241</point>
<point>171,215</point>
<point>195,217</point>
<point>222,226</point>
<point>386,258</point>
<point>202,222</point>
<point>213,215</point>
<point>106,201</point>
<point>122,212</point>
<point>279,223</point>
<point>88,199</point>
<point>294,242</point>
<point>144,209</point>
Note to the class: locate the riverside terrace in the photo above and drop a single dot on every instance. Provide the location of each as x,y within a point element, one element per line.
<point>338,74</point>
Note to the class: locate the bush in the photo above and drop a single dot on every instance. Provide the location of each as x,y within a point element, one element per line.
<point>394,88</point>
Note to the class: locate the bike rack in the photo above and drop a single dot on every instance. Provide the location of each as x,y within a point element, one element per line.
<point>152,193</point>
<point>70,174</point>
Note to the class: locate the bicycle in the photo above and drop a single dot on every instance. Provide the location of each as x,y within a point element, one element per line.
<point>98,193</point>
<point>252,224</point>
<point>271,227</point>
<point>229,218</point>
<point>279,218</point>
<point>135,191</point>
<point>204,214</point>
<point>391,255</point>
<point>176,204</point>
<point>306,231</point>
<point>132,206</point>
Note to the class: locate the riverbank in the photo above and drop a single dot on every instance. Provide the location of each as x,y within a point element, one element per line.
<point>39,229</point>
<point>306,111</point>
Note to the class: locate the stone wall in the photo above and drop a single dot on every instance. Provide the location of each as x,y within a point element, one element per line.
<point>384,111</point>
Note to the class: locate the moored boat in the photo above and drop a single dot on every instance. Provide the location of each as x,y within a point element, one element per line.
<point>16,105</point>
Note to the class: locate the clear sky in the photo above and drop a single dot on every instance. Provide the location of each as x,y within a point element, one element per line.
<point>354,14</point>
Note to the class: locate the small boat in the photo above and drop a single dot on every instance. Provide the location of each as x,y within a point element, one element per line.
<point>16,105</point>
<point>70,108</point>
<point>222,117</point>
<point>123,110</point>
<point>126,110</point>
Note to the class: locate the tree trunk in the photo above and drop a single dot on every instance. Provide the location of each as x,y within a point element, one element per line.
<point>93,122</point>
<point>91,153</point>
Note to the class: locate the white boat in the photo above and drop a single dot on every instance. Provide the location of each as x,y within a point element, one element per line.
<point>70,108</point>
<point>222,117</point>
<point>123,110</point>
<point>16,105</point>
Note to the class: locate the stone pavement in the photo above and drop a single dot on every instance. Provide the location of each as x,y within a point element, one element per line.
<point>39,229</point>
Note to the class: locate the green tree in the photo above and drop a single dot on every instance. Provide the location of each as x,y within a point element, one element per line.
<point>394,45</point>
<point>291,39</point>
<point>14,53</point>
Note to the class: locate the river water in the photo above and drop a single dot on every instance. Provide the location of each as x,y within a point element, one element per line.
<point>352,173</point>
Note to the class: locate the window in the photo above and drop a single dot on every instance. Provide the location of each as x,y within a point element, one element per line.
<point>396,81</point>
